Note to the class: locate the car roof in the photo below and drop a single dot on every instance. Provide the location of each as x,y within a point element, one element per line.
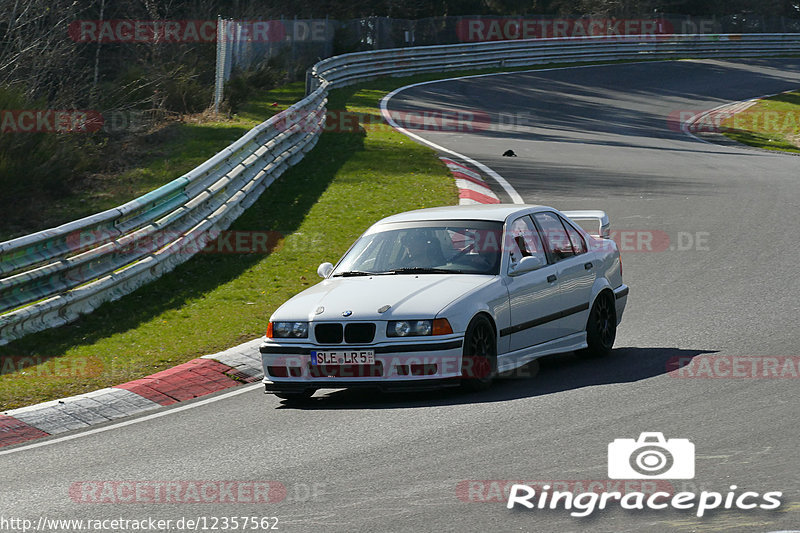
<point>495,212</point>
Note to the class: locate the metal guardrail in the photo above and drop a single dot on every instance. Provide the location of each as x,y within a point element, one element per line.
<point>352,68</point>
<point>51,277</point>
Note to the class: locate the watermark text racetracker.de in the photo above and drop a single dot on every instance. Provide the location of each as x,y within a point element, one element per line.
<point>654,240</point>
<point>397,366</point>
<point>731,118</point>
<point>49,121</point>
<point>37,366</point>
<point>735,367</point>
<point>499,490</point>
<point>199,31</point>
<point>511,28</point>
<point>430,120</point>
<point>201,491</point>
<point>207,242</point>
<point>22,121</point>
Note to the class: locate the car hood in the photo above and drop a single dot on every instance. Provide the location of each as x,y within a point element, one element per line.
<point>408,296</point>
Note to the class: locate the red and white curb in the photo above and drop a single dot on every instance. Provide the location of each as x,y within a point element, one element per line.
<point>198,377</point>
<point>709,121</point>
<point>472,189</point>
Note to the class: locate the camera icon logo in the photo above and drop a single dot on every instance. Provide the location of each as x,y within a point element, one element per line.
<point>651,457</point>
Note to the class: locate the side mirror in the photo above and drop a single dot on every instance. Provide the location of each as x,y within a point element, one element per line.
<point>324,270</point>
<point>528,264</point>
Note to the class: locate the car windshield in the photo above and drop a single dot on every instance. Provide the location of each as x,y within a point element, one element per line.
<point>436,247</point>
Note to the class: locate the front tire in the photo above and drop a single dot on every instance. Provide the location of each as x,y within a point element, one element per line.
<point>479,359</point>
<point>601,327</point>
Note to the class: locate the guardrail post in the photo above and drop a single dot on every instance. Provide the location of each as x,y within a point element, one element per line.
<point>219,79</point>
<point>311,84</point>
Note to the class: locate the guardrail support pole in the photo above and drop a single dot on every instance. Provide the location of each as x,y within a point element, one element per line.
<point>219,78</point>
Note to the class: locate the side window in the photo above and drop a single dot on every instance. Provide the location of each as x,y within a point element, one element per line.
<point>577,240</point>
<point>524,239</point>
<point>555,236</point>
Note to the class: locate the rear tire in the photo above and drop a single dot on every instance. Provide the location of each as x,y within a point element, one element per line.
<point>479,360</point>
<point>601,327</point>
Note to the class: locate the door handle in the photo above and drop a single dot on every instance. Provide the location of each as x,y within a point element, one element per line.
<point>588,266</point>
<point>551,278</point>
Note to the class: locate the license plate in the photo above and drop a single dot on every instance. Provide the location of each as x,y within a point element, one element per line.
<point>343,357</point>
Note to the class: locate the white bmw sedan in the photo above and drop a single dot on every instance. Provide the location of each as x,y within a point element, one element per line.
<point>448,296</point>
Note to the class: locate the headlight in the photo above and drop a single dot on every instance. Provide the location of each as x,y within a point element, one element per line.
<point>423,327</point>
<point>413,328</point>
<point>283,330</point>
<point>399,329</point>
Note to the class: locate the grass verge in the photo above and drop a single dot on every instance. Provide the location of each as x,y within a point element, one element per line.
<point>771,124</point>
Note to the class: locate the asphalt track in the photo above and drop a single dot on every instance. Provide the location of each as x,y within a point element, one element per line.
<point>598,137</point>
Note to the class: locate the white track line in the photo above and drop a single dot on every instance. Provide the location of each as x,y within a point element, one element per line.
<point>165,412</point>
<point>515,197</point>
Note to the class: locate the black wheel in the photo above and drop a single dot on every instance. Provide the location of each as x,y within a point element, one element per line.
<point>601,328</point>
<point>479,361</point>
<point>295,396</point>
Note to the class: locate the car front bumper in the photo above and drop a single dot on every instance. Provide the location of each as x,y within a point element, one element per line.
<point>411,365</point>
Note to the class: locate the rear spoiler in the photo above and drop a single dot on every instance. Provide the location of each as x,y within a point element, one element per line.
<point>596,216</point>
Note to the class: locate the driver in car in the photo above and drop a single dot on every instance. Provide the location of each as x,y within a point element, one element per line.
<point>420,250</point>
